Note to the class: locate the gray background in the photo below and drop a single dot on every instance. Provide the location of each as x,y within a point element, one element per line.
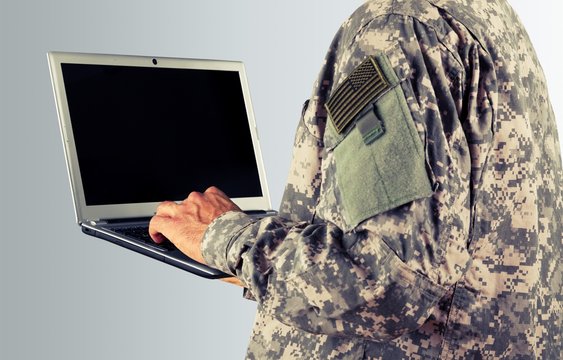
<point>64,295</point>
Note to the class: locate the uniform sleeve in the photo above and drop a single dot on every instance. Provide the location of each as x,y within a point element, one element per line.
<point>345,266</point>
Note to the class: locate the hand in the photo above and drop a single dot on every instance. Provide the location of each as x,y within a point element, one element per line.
<point>184,224</point>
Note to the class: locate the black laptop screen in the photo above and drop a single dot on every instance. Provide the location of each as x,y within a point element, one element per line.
<point>153,134</point>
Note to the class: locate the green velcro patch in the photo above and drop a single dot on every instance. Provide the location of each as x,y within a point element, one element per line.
<point>379,155</point>
<point>363,85</point>
<point>379,173</point>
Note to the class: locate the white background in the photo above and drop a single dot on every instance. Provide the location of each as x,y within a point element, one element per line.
<point>64,295</point>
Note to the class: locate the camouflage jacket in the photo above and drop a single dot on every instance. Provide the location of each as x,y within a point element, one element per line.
<point>423,210</point>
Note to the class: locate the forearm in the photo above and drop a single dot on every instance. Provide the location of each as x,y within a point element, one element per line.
<point>234,236</point>
<point>304,276</point>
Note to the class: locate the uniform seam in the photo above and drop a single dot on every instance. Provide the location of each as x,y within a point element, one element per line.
<point>439,36</point>
<point>444,48</point>
<point>306,125</point>
<point>453,314</point>
<point>318,138</point>
<point>232,240</point>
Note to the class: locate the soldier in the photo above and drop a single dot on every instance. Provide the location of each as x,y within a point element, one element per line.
<point>422,215</point>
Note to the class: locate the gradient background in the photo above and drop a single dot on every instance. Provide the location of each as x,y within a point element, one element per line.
<point>65,295</point>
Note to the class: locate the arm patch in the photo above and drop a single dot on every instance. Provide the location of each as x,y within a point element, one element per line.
<point>379,156</point>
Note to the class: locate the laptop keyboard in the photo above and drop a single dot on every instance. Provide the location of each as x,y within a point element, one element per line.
<point>142,233</point>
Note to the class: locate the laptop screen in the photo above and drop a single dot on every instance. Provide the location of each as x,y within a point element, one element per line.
<point>147,134</point>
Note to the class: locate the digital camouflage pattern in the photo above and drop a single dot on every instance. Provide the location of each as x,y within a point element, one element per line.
<point>470,269</point>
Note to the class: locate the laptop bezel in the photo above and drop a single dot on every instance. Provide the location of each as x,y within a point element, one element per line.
<point>84,212</point>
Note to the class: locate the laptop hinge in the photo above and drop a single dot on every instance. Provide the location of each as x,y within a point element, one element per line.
<point>92,222</point>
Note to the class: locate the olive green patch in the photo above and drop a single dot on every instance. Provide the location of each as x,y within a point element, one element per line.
<point>381,169</point>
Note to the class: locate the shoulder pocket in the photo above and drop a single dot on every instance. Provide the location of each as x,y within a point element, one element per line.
<point>378,155</point>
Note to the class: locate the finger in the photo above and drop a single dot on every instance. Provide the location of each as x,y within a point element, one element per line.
<point>215,190</point>
<point>218,195</point>
<point>194,197</point>
<point>157,226</point>
<point>167,208</point>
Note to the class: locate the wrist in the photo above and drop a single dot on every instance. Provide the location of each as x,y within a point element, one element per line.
<point>219,237</point>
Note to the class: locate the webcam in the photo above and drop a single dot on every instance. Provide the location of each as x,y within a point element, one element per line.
<point>154,61</point>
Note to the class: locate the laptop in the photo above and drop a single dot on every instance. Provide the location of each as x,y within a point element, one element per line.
<point>139,130</point>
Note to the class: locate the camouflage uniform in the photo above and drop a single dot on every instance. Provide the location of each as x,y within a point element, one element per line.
<point>422,217</point>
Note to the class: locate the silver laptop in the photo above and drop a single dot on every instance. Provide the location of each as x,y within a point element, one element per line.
<point>140,130</point>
